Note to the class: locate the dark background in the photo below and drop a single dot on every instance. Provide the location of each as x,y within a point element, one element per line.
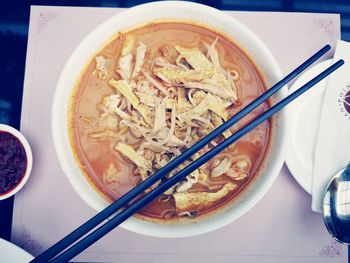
<point>14,20</point>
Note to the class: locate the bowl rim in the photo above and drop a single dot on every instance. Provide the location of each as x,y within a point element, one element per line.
<point>29,155</point>
<point>134,224</point>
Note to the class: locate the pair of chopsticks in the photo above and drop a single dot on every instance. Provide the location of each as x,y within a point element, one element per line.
<point>69,244</point>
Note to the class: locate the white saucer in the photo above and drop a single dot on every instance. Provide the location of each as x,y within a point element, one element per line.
<point>10,253</point>
<point>303,120</point>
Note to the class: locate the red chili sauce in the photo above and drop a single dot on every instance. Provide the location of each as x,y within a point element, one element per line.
<point>13,162</point>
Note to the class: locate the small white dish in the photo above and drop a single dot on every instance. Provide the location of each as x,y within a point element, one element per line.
<point>303,124</point>
<point>10,253</point>
<point>29,155</point>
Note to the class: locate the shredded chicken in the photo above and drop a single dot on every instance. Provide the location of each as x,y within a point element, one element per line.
<point>128,45</point>
<point>160,117</point>
<point>220,167</point>
<point>101,67</point>
<point>188,182</point>
<point>125,64</point>
<point>140,59</point>
<point>161,107</point>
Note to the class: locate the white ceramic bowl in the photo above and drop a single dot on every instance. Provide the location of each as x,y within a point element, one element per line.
<point>29,155</point>
<point>169,10</point>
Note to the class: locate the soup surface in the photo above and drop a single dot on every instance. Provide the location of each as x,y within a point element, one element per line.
<point>151,93</point>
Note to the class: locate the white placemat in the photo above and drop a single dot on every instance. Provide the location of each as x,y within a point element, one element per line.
<point>280,228</point>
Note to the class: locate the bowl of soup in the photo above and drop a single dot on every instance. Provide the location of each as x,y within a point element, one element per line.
<point>146,85</point>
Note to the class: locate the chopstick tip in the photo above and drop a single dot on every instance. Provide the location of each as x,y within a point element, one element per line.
<point>339,63</point>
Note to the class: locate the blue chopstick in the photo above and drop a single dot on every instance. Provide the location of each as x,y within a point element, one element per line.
<point>125,214</point>
<point>133,193</point>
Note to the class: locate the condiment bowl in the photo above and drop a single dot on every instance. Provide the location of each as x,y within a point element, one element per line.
<point>29,156</point>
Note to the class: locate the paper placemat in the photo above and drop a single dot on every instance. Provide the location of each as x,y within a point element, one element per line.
<point>280,228</point>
